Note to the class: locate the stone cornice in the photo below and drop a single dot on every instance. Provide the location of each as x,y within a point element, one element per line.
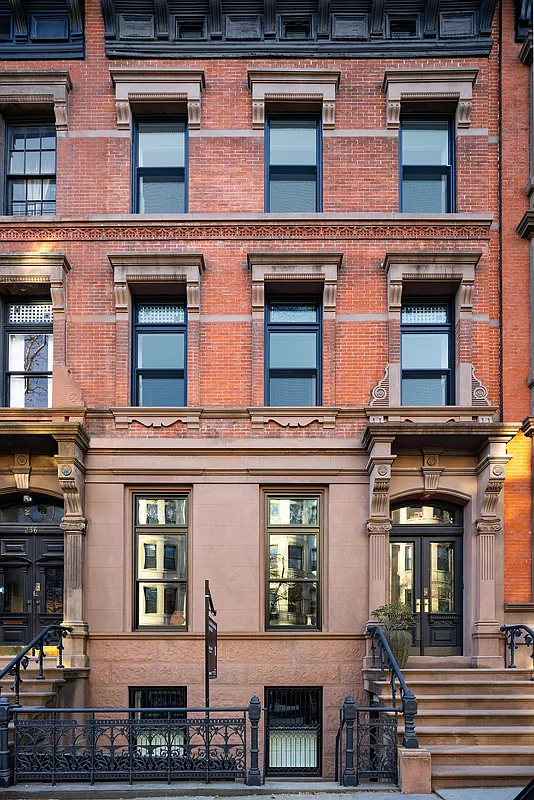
<point>42,87</point>
<point>59,430</point>
<point>526,227</point>
<point>158,87</point>
<point>294,86</point>
<point>489,430</point>
<point>32,268</point>
<point>525,55</point>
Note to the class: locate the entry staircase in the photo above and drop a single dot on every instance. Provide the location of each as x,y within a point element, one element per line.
<point>478,724</point>
<point>35,691</point>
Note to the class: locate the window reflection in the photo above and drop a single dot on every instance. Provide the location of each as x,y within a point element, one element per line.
<point>423,515</point>
<point>401,572</point>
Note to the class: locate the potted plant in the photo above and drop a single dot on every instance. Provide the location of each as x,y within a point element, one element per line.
<point>397,619</point>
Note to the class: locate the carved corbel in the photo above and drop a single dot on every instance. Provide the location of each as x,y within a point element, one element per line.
<point>71,477</point>
<point>20,18</point>
<point>467,290</point>
<point>258,113</point>
<point>377,18</point>
<point>487,10</point>
<point>161,8</point>
<point>380,392</point>
<point>258,297</point>
<point>194,109</point>
<point>463,115</point>
<point>492,471</point>
<point>379,468</point>
<point>193,296</point>
<point>431,470</point>
<point>393,112</point>
<point>109,17</point>
<point>215,7</point>
<point>124,114</point>
<point>395,295</point>
<point>21,471</point>
<point>269,18</point>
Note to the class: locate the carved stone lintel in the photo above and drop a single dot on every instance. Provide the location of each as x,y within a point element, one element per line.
<point>21,471</point>
<point>380,392</point>
<point>43,87</point>
<point>293,86</point>
<point>429,85</point>
<point>479,393</point>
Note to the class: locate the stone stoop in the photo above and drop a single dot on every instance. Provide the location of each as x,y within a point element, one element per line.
<point>478,724</point>
<point>34,691</point>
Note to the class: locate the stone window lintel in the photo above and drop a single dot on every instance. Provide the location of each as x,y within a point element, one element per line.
<point>157,86</point>
<point>48,268</point>
<point>429,85</point>
<point>294,86</point>
<point>40,87</point>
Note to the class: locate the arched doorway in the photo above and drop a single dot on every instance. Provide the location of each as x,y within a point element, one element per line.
<point>31,567</point>
<point>426,569</point>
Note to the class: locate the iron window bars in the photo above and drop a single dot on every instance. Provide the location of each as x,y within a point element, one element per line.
<point>160,180</point>
<point>30,170</point>
<point>426,157</point>
<point>292,165</point>
<point>293,354</point>
<point>160,362</point>
<point>29,346</point>
<point>427,353</point>
<point>161,561</point>
<point>293,722</point>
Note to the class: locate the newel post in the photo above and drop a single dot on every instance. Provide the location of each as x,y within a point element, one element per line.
<point>254,714</point>
<point>6,773</point>
<point>349,712</point>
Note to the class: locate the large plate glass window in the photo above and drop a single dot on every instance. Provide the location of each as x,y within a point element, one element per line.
<point>293,165</point>
<point>427,158</point>
<point>293,357</point>
<point>293,569</point>
<point>31,170</point>
<point>161,166</point>
<point>29,348</point>
<point>426,354</point>
<point>160,354</point>
<point>161,560</point>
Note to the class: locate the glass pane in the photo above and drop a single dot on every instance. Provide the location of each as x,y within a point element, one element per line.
<point>160,350</point>
<point>422,515</point>
<point>161,510</point>
<point>292,392</point>
<point>424,315</point>
<point>293,143</point>
<point>425,143</point>
<point>16,162</point>
<point>163,194</point>
<point>33,139</point>
<point>13,590</point>
<point>293,349</point>
<point>160,391</point>
<point>442,577</point>
<point>16,139</point>
<point>293,604</point>
<point>161,144</point>
<point>32,313</point>
<point>162,604</point>
<point>160,313</point>
<point>293,194</point>
<point>53,598</point>
<point>48,139</point>
<point>293,312</point>
<point>425,194</point>
<point>425,391</point>
<point>33,163</point>
<point>48,161</point>
<point>401,572</point>
<point>425,350</point>
<point>162,557</point>
<point>293,556</point>
<point>32,514</point>
<point>30,352</point>
<point>293,511</point>
<point>26,392</point>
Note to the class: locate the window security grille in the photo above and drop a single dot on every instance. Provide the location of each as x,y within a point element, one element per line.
<point>161,314</point>
<point>293,730</point>
<point>159,697</point>
<point>30,313</point>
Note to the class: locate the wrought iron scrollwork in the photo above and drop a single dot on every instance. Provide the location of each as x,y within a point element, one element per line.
<point>516,635</point>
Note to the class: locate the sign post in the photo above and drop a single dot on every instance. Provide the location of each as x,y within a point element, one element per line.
<point>210,640</point>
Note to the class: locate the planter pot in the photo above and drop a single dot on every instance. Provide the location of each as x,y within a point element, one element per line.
<point>400,643</point>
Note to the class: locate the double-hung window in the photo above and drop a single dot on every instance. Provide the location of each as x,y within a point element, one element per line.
<point>427,158</point>
<point>160,184</point>
<point>427,354</point>
<point>161,560</point>
<point>159,354</point>
<point>293,354</point>
<point>30,170</point>
<point>29,348</point>
<point>293,165</point>
<point>293,533</point>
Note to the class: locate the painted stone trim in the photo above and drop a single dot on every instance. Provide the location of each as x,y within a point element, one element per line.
<point>51,268</point>
<point>294,86</point>
<point>40,86</point>
<point>156,417</point>
<point>293,417</point>
<point>429,85</point>
<point>158,87</point>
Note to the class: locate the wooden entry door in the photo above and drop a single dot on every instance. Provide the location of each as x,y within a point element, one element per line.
<point>426,573</point>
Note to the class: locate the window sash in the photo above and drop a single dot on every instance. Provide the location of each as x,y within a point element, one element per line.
<point>296,172</point>
<point>138,373</point>
<point>44,377</point>
<point>429,171</point>
<point>180,173</point>
<point>414,328</point>
<point>30,206</point>
<point>289,328</point>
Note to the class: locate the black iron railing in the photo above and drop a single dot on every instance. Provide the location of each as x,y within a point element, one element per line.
<point>52,634</point>
<point>128,744</point>
<point>516,635</point>
<point>366,744</point>
<point>382,658</point>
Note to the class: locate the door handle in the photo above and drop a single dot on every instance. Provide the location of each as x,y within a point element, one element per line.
<point>417,606</point>
<point>427,604</point>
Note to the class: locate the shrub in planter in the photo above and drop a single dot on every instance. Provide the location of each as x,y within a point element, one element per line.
<point>397,619</point>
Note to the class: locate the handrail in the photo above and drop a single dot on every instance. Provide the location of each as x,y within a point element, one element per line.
<point>38,643</point>
<point>511,634</point>
<point>407,697</point>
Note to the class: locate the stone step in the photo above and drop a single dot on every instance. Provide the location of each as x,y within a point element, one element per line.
<point>421,688</point>
<point>471,718</point>
<point>466,777</point>
<point>454,675</point>
<point>33,698</point>
<point>473,702</point>
<point>483,735</point>
<point>481,755</point>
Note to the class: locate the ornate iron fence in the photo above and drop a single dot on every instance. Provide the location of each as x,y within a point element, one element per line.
<point>90,745</point>
<point>366,745</point>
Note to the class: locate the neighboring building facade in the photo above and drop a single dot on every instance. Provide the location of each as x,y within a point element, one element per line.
<point>265,314</point>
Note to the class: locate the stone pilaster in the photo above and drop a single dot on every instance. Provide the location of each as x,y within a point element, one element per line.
<point>379,524</point>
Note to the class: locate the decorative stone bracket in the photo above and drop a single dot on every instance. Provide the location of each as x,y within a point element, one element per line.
<point>492,473</point>
<point>71,475</point>
<point>50,268</point>
<point>38,88</point>
<point>21,471</point>
<point>294,86</point>
<point>379,469</point>
<point>156,417</point>
<point>157,87</point>
<point>293,417</point>
<point>431,470</point>
<point>429,85</point>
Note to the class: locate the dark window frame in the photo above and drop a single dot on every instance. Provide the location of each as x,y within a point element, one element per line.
<point>148,694</point>
<point>304,170</point>
<point>7,126</point>
<point>294,327</point>
<point>448,328</point>
<point>138,172</point>
<point>318,531</point>
<point>11,327</point>
<point>280,701</point>
<point>412,169</point>
<point>176,327</point>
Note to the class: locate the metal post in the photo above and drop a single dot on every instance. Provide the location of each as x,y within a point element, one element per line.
<point>349,712</point>
<point>409,707</point>
<point>6,774</point>
<point>206,651</point>
<point>254,714</point>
